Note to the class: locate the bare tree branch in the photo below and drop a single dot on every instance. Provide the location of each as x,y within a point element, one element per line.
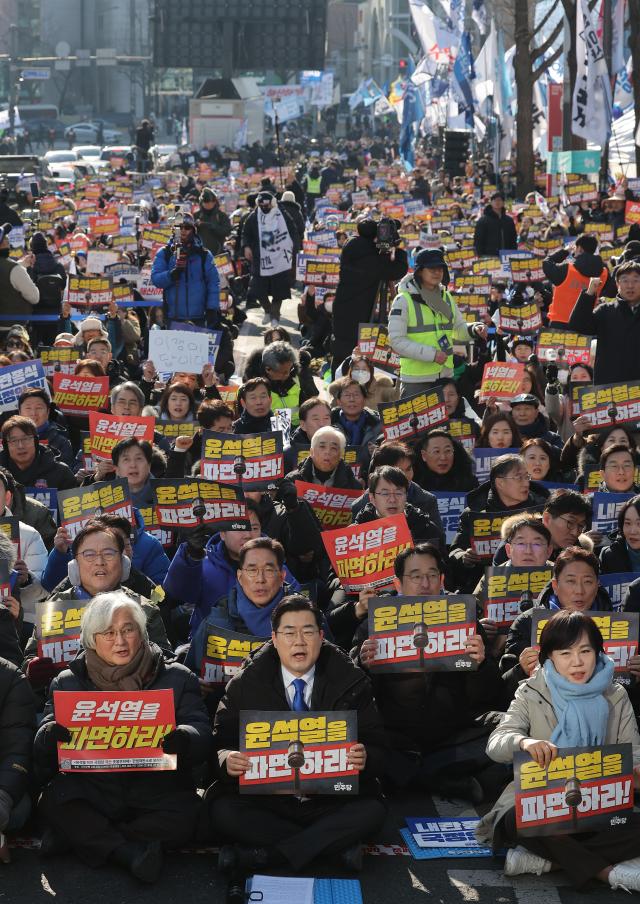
<point>544,21</point>
<point>546,64</point>
<point>540,51</point>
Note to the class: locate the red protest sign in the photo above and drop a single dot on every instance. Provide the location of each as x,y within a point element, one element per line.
<point>632,212</point>
<point>501,380</point>
<point>331,507</point>
<point>115,731</point>
<point>104,225</point>
<point>363,556</point>
<point>78,395</point>
<point>106,430</point>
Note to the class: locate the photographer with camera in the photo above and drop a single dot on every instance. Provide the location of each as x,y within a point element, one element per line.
<point>368,262</point>
<point>424,322</point>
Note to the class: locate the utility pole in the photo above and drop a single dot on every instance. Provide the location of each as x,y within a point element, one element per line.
<point>607,46</point>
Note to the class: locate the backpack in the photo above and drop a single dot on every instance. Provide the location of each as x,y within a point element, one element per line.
<point>51,288</point>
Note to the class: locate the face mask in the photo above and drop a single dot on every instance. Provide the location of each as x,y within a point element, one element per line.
<point>328,306</point>
<point>360,376</point>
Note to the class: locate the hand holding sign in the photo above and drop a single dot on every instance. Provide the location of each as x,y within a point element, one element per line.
<point>237,763</point>
<point>543,752</point>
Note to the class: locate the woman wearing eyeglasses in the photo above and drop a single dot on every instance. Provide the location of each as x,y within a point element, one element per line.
<point>124,818</point>
<point>509,489</point>
<point>99,565</point>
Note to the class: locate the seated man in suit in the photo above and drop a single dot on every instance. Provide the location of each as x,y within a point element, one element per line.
<point>296,670</point>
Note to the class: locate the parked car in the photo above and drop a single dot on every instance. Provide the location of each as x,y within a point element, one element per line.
<point>87,133</point>
<point>57,157</point>
<point>89,152</point>
<point>118,150</point>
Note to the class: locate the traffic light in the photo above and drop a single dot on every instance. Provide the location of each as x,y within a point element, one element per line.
<point>455,151</point>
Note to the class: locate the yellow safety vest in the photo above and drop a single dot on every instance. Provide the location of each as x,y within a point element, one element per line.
<point>426,326</point>
<point>291,401</point>
<point>313,186</point>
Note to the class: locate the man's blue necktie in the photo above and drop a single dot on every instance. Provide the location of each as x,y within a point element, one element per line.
<point>299,705</point>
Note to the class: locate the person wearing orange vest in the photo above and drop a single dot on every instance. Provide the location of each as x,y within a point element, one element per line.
<point>570,279</point>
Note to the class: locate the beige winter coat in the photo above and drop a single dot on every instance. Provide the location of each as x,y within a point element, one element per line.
<point>531,715</point>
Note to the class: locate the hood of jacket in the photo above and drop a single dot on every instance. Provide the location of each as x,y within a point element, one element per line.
<point>589,264</point>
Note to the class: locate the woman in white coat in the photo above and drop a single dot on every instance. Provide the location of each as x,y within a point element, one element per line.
<point>570,701</point>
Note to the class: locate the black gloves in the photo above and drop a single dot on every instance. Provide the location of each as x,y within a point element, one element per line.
<point>177,741</point>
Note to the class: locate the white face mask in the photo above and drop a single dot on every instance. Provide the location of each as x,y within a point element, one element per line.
<point>328,306</point>
<point>360,376</point>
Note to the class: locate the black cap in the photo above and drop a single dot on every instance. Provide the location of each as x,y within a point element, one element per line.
<point>525,398</point>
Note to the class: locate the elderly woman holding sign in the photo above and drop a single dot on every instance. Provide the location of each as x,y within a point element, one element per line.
<point>570,701</point>
<point>121,815</point>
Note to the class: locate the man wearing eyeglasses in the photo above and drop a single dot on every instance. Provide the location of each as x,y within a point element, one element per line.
<point>297,670</point>
<point>388,489</point>
<point>99,565</point>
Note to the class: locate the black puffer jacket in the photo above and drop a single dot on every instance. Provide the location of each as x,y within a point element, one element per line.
<point>17,727</point>
<point>519,637</point>
<point>46,466</point>
<point>190,714</point>
<point>337,685</point>
<point>616,326</point>
<point>460,478</point>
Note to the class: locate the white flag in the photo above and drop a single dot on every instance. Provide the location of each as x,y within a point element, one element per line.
<point>591,112</point>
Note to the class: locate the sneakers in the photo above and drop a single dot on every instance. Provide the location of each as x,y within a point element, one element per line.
<point>626,875</point>
<point>275,323</point>
<point>266,318</point>
<point>520,860</point>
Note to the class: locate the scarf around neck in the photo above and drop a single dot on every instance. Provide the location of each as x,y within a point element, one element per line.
<point>354,429</point>
<point>256,618</point>
<point>129,677</point>
<point>581,709</point>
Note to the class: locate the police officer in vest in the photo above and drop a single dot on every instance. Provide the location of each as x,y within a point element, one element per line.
<point>424,322</point>
<point>18,293</point>
<point>570,278</point>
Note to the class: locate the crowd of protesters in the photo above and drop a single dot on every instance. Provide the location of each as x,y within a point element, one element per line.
<point>429,262</point>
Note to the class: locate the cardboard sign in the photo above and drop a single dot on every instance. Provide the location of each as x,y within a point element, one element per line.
<point>422,633</point>
<point>632,212</point>
<point>519,320</point>
<point>620,631</point>
<point>485,528</point>
<point>326,736</point>
<point>363,555</point>
<point>484,458</point>
<point>225,651</point>
<point>47,496</point>
<point>178,350</point>
<point>79,395</point>
<point>164,535</point>
<point>610,405</point>
<point>262,454</point>
<point>507,587</point>
<point>175,500</point>
<point>606,782</point>
<point>104,225</point>
<point>414,415</point>
<point>617,585</point>
<point>155,235</point>
<point>606,508</point>
<point>90,290</point>
<point>171,430</point>
<point>59,360</point>
<point>331,507</point>
<point>97,261</point>
<point>107,430</point>
<point>526,268</point>
<point>561,345</point>
<point>450,507</point>
<point>115,731</point>
<point>501,380</point>
<point>15,378</point>
<point>81,504</point>
<point>58,629</point>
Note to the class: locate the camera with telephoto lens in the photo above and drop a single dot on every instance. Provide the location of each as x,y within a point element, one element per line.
<point>387,235</point>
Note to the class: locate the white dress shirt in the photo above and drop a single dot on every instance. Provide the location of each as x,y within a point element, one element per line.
<point>290,688</point>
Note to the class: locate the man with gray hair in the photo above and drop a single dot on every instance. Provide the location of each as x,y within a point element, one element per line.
<point>326,465</point>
